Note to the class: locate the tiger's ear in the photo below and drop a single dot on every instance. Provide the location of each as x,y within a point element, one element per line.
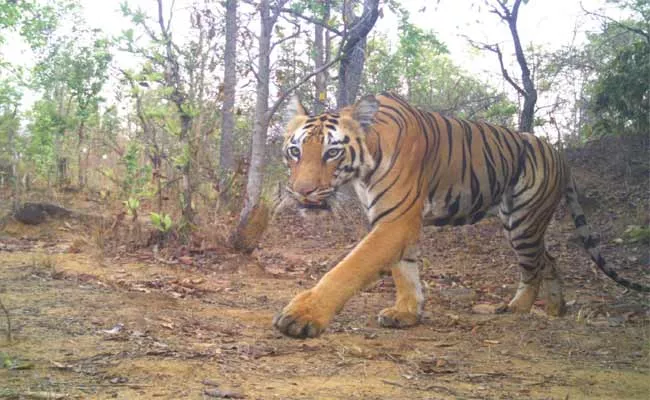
<point>365,109</point>
<point>294,108</point>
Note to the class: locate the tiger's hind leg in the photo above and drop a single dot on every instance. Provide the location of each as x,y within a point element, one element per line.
<point>542,279</point>
<point>407,310</point>
<point>529,283</point>
<point>551,290</point>
<point>525,214</point>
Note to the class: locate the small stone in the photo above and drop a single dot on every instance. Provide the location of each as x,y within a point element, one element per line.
<point>485,309</point>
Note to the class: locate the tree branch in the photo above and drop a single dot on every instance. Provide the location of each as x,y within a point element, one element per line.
<point>312,20</point>
<point>304,79</point>
<point>361,28</point>
<point>632,29</point>
<point>286,39</point>
<point>494,48</point>
<point>8,317</point>
<point>138,101</point>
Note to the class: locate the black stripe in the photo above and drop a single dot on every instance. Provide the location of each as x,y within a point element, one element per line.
<point>361,158</point>
<point>390,210</point>
<point>449,138</point>
<point>379,156</point>
<point>579,221</point>
<point>383,192</point>
<point>590,242</point>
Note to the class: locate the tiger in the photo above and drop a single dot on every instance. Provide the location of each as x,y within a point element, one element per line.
<point>412,168</point>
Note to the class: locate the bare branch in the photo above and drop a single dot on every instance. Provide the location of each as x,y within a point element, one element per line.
<point>506,11</point>
<point>161,20</point>
<point>502,11</point>
<point>312,20</point>
<point>6,312</point>
<point>494,48</point>
<point>286,39</point>
<point>150,32</point>
<point>304,79</point>
<point>611,20</point>
<point>497,12</point>
<point>138,100</point>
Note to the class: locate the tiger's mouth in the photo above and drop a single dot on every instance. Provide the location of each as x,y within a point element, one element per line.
<point>323,205</point>
<point>316,200</point>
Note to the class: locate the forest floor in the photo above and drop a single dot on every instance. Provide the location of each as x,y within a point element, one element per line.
<point>92,318</point>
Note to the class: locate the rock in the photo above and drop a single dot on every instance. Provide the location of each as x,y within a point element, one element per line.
<point>459,295</point>
<point>485,309</point>
<point>37,213</point>
<point>31,214</point>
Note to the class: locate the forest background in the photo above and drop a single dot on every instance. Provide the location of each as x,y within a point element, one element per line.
<point>173,109</point>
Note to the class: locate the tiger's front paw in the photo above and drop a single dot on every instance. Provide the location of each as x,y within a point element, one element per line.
<point>393,318</point>
<point>305,316</point>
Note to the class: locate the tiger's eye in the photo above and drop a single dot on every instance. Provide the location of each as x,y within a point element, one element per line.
<point>294,151</point>
<point>332,153</point>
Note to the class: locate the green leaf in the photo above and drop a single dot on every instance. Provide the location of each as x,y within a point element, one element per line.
<point>155,219</point>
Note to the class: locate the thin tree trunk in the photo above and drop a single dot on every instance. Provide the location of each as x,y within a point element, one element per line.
<point>179,97</point>
<point>527,118</point>
<point>80,140</point>
<point>254,215</point>
<point>241,239</point>
<point>354,49</point>
<point>14,166</point>
<point>226,156</point>
<point>187,137</point>
<point>256,172</point>
<point>320,51</point>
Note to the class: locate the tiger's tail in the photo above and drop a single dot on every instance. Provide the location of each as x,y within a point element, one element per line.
<point>590,242</point>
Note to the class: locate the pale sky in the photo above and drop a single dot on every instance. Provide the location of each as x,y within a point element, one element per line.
<point>547,23</point>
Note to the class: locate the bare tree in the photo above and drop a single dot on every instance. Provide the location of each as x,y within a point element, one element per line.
<point>251,220</point>
<point>226,156</point>
<point>527,88</point>
<point>321,56</point>
<point>240,239</point>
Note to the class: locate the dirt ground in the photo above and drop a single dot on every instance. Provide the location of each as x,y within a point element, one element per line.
<point>130,324</point>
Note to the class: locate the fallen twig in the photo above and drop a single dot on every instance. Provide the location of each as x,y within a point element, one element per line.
<point>386,381</point>
<point>44,395</point>
<point>4,309</point>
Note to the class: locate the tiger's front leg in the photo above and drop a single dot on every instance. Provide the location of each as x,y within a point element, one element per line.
<point>310,312</point>
<point>407,310</point>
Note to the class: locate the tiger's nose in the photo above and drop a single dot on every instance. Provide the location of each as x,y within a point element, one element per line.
<point>305,189</point>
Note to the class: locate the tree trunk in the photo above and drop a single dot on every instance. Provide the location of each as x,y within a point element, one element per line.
<point>226,156</point>
<point>527,89</point>
<point>14,166</point>
<point>61,178</point>
<point>190,142</point>
<point>61,171</point>
<point>320,55</point>
<point>353,50</point>
<point>179,97</point>
<point>80,139</point>
<point>527,119</point>
<point>258,146</point>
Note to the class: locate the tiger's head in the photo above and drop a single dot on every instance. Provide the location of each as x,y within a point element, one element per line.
<point>323,152</point>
